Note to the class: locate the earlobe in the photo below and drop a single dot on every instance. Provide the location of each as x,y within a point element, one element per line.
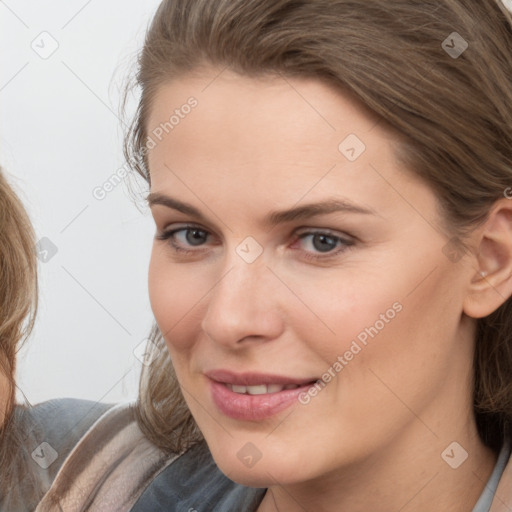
<point>491,282</point>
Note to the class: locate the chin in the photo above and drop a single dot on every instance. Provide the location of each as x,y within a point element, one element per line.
<point>261,473</point>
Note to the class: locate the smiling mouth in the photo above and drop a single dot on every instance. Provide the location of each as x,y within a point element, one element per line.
<point>254,396</point>
<point>261,389</point>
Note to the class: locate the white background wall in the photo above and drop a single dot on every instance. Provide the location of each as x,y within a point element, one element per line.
<point>60,138</point>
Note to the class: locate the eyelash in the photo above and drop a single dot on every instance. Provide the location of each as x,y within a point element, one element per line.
<point>168,236</point>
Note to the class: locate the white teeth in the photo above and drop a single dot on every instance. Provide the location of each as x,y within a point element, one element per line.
<point>257,390</point>
<point>260,389</point>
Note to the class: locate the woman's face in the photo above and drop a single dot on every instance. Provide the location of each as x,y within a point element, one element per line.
<point>293,248</point>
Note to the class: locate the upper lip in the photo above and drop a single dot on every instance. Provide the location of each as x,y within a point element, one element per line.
<point>253,379</point>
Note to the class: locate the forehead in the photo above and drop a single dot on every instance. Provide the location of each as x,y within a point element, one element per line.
<point>277,138</point>
<point>268,114</point>
<point>275,114</point>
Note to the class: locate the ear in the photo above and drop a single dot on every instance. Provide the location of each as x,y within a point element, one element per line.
<point>491,283</point>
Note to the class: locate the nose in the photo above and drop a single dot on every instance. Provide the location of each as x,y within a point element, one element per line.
<point>244,306</point>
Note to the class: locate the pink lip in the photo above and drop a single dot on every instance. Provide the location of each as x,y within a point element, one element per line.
<point>253,407</point>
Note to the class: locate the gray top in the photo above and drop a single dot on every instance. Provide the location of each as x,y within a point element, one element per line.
<point>484,502</point>
<point>46,433</point>
<point>194,482</point>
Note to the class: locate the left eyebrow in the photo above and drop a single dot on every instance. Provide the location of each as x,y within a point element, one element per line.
<point>276,217</point>
<point>310,210</point>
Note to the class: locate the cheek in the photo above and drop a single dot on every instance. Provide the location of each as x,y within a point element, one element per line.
<point>398,324</point>
<point>342,311</point>
<point>175,293</point>
<point>411,348</point>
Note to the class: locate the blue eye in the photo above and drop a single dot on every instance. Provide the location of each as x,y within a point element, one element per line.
<point>193,236</point>
<point>323,244</point>
<point>184,237</point>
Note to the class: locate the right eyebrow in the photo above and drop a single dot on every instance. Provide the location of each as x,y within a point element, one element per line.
<point>161,199</point>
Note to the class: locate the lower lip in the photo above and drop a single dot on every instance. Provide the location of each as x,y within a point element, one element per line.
<point>253,407</point>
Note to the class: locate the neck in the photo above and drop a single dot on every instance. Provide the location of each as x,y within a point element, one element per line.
<point>408,475</point>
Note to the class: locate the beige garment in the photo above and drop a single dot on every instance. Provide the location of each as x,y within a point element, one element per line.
<point>108,469</point>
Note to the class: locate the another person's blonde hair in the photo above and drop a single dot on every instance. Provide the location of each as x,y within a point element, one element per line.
<point>18,305</point>
<point>18,279</point>
<point>454,116</point>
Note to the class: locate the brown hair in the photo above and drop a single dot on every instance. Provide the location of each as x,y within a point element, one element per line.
<point>453,112</point>
<point>18,305</point>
